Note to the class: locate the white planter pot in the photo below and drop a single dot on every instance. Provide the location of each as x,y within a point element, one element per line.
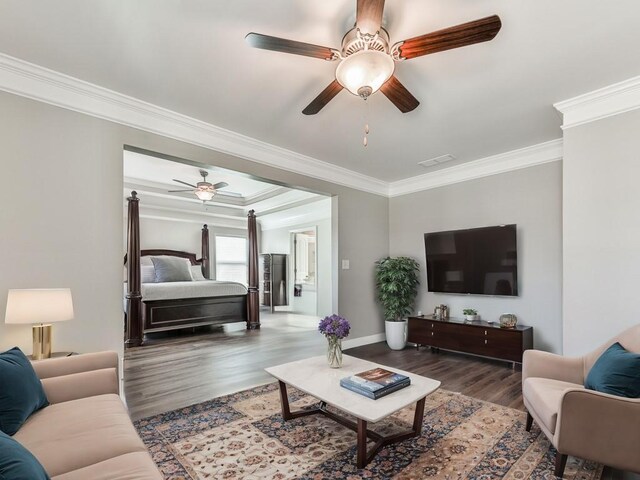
<point>396,334</point>
<point>472,318</point>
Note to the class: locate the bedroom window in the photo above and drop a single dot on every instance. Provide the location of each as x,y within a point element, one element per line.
<point>231,259</point>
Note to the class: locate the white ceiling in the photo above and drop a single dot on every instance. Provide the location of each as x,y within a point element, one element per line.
<point>189,56</point>
<point>146,168</point>
<point>152,177</point>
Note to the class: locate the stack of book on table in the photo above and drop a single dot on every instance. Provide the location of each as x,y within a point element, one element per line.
<point>375,383</point>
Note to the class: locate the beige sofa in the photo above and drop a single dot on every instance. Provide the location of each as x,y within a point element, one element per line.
<point>85,432</point>
<point>580,422</point>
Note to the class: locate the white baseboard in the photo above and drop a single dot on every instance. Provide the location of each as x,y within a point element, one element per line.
<point>360,341</point>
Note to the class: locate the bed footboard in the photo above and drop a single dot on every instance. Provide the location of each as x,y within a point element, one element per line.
<point>160,315</point>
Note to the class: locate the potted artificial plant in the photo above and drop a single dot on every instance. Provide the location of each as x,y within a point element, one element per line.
<point>471,314</point>
<point>397,286</point>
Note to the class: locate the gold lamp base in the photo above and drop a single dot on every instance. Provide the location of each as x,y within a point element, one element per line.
<point>41,342</point>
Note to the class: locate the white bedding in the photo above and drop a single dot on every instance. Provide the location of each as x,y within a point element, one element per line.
<point>176,290</point>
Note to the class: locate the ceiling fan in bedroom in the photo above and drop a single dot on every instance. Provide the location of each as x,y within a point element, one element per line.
<point>367,60</point>
<point>204,190</point>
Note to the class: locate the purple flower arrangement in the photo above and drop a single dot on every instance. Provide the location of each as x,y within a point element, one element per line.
<point>334,326</point>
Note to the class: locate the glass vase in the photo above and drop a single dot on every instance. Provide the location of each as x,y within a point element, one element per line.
<point>334,352</point>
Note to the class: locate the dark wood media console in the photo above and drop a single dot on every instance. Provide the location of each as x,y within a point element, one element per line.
<point>478,338</point>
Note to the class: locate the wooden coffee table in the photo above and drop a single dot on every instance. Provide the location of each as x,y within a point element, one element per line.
<point>314,377</point>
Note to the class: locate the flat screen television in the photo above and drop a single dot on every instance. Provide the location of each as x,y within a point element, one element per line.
<point>477,261</point>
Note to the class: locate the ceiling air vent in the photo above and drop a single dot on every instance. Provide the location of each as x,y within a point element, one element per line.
<point>436,161</point>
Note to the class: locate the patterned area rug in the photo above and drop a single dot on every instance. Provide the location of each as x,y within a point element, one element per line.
<point>242,436</point>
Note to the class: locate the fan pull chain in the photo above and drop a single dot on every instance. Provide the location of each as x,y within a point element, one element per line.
<point>365,140</point>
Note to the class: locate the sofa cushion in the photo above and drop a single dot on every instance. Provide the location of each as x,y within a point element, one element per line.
<point>130,466</point>
<point>617,372</point>
<point>71,435</point>
<point>543,396</point>
<point>17,463</point>
<point>21,391</point>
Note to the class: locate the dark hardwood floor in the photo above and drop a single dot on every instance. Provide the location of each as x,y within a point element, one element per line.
<point>489,380</point>
<point>175,371</point>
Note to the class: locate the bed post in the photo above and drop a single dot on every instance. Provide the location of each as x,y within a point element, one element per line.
<point>253,305</point>
<point>133,334</point>
<point>206,265</point>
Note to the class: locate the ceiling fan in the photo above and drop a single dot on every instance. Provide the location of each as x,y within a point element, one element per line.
<point>203,190</point>
<point>367,61</point>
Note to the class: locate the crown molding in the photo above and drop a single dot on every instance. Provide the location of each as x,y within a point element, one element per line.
<point>179,215</point>
<point>292,217</point>
<point>33,81</point>
<point>484,167</point>
<point>602,103</point>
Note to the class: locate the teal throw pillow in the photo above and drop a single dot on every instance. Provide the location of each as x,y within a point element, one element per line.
<point>617,372</point>
<point>18,463</point>
<point>21,391</point>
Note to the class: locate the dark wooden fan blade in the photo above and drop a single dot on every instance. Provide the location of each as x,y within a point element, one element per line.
<point>477,31</point>
<point>185,183</point>
<point>369,15</point>
<point>175,191</point>
<point>399,95</point>
<point>267,42</point>
<point>220,185</point>
<point>321,100</point>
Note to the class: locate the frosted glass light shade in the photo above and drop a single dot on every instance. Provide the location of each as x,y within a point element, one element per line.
<point>204,195</point>
<point>367,68</point>
<point>39,305</point>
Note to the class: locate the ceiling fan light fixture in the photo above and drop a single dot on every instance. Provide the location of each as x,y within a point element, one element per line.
<point>204,195</point>
<point>364,72</point>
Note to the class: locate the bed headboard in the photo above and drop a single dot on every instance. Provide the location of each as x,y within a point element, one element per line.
<point>172,253</point>
<point>169,253</point>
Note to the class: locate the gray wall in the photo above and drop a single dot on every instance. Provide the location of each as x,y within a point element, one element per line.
<point>179,235</point>
<point>531,198</point>
<point>601,209</point>
<point>62,219</point>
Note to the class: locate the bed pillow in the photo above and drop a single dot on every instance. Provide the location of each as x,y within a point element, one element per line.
<point>196,273</point>
<point>617,372</point>
<point>147,274</point>
<point>18,463</point>
<point>171,269</point>
<point>21,391</point>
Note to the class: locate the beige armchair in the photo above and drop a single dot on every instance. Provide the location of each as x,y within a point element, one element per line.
<point>580,422</point>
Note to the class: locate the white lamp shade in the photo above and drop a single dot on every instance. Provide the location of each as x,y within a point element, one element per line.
<point>39,305</point>
<point>367,68</point>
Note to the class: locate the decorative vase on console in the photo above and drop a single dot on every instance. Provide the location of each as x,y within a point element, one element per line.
<point>508,320</point>
<point>335,328</point>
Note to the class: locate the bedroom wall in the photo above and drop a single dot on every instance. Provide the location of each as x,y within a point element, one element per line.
<point>278,240</point>
<point>531,198</point>
<point>601,230</point>
<point>70,233</point>
<point>181,235</point>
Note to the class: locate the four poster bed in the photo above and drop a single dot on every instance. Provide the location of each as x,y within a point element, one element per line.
<point>195,301</point>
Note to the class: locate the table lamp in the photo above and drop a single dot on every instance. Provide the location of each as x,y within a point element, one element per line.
<point>41,306</point>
